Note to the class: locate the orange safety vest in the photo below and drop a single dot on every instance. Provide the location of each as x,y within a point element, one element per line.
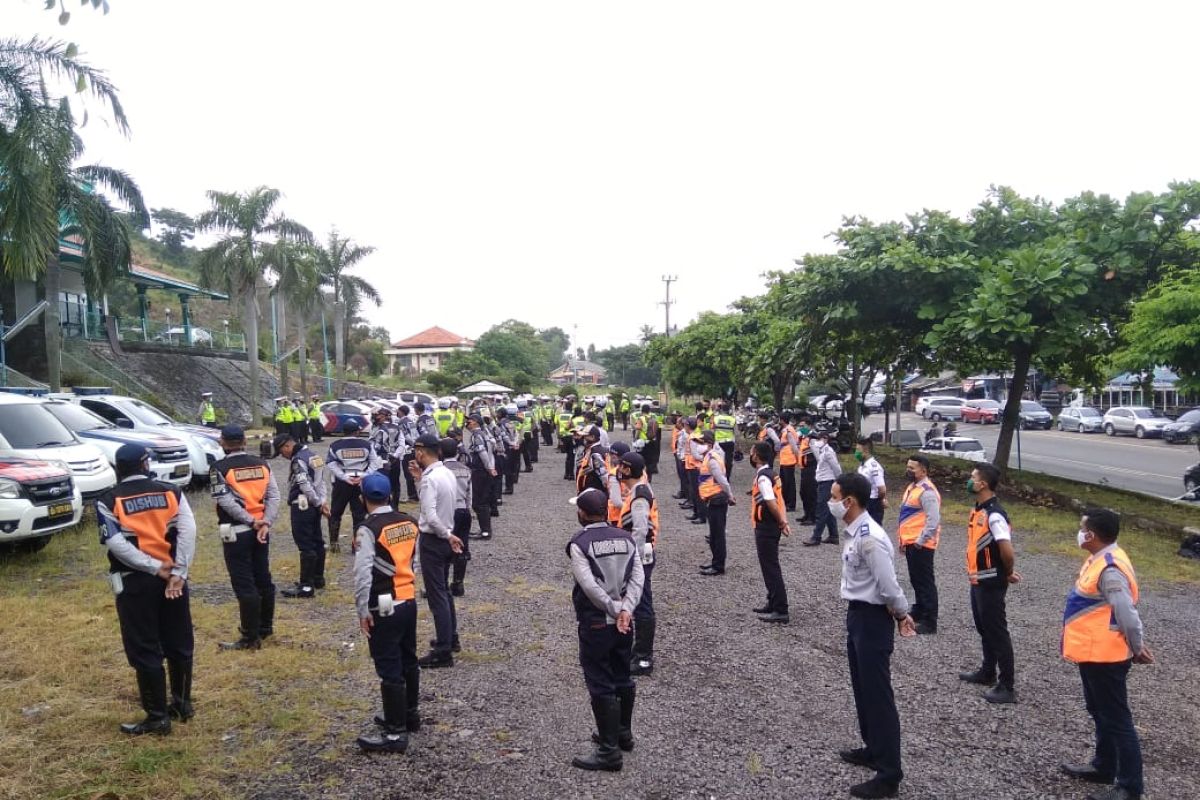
<point>147,516</point>
<point>584,472</point>
<point>983,552</point>
<point>394,544</point>
<point>1090,633</point>
<point>708,486</point>
<point>689,461</point>
<point>786,457</point>
<point>803,450</point>
<point>757,501</point>
<point>625,517</point>
<point>913,518</point>
<point>248,478</point>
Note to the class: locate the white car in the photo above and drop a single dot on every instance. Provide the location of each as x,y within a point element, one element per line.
<point>37,498</point>
<point>962,447</point>
<point>939,408</point>
<point>27,430</point>
<point>1137,420</point>
<point>132,414</point>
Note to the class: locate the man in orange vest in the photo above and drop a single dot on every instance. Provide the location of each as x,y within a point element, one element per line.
<point>990,562</point>
<point>770,522</point>
<point>1102,634</point>
<point>715,494</point>
<point>919,530</point>
<point>789,457</point>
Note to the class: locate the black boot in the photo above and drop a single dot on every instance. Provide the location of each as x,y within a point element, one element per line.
<point>319,570</point>
<point>456,589</point>
<point>266,620</point>
<point>643,647</point>
<point>180,673</point>
<point>394,736</point>
<point>152,688</point>
<point>412,690</point>
<point>305,587</point>
<point>607,755</point>
<point>250,609</point>
<point>625,732</point>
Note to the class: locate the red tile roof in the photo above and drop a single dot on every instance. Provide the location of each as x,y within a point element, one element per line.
<point>434,337</point>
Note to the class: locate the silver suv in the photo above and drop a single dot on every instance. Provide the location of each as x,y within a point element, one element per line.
<point>1136,420</point>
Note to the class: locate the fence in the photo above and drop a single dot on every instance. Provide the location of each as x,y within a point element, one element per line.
<point>90,325</point>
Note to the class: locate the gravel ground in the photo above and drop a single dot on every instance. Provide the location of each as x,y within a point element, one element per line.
<point>735,708</point>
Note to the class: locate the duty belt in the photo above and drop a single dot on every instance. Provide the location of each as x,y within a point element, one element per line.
<point>241,528</point>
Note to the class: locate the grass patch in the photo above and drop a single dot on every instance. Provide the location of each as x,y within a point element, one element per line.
<point>520,587</point>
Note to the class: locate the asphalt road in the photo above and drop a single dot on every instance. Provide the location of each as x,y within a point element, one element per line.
<point>1150,466</point>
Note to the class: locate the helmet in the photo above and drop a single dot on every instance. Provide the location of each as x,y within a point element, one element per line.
<point>521,403</point>
<point>443,403</point>
<point>511,408</point>
<point>602,401</point>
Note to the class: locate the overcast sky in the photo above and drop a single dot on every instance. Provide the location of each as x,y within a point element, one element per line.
<point>551,161</point>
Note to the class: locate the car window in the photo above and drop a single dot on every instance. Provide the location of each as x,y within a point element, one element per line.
<point>1192,416</point>
<point>147,414</point>
<point>77,418</point>
<point>344,408</point>
<point>103,409</point>
<point>1147,413</point>
<point>967,447</point>
<point>987,404</point>
<point>1086,412</point>
<point>1030,405</point>
<point>29,426</point>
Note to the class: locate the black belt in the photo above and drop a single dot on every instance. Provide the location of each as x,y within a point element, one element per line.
<point>863,605</point>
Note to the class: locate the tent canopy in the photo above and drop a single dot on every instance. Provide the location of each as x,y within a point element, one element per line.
<point>484,387</point>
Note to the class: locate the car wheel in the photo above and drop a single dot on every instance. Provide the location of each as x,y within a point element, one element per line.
<point>1139,432</point>
<point>1109,430</point>
<point>936,417</point>
<point>1080,428</point>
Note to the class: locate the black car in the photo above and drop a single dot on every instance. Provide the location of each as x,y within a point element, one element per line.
<point>1184,430</point>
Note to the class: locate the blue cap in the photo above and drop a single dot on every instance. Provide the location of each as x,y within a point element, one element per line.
<point>429,442</point>
<point>131,455</point>
<point>351,426</point>
<point>233,433</point>
<point>376,487</point>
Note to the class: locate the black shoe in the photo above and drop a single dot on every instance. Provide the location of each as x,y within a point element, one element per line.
<point>456,589</point>
<point>874,788</point>
<point>979,676</point>
<point>926,628</point>
<point>179,673</point>
<point>712,571</point>
<point>642,666</point>
<point>527,470</point>
<point>607,755</point>
<point>859,757</point>
<point>1000,695</point>
<point>830,540</point>
<point>678,496</point>
<point>763,610</point>
<point>455,646</point>
<point>318,583</point>
<point>152,690</point>
<point>495,512</point>
<point>299,592</point>
<point>698,521</point>
<point>386,742</point>
<point>1113,793</point>
<point>1087,773</point>
<point>509,491</point>
<point>776,617</point>
<point>250,610</point>
<point>485,535</point>
<point>436,660</point>
<point>806,521</point>
<point>811,542</point>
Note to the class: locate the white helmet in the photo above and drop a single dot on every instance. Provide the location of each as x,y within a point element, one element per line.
<point>511,408</point>
<point>443,403</point>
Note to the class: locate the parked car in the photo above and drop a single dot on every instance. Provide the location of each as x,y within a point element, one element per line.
<point>1034,415</point>
<point>408,398</point>
<point>906,439</point>
<point>336,413</point>
<point>1083,419</point>
<point>37,498</point>
<point>1191,484</point>
<point>824,403</point>
<point>1136,420</point>
<point>1185,429</point>
<point>169,460</point>
<point>956,447</point>
<point>132,414</point>
<point>177,335</point>
<point>981,411</point>
<point>874,401</point>
<point>28,430</point>
<point>939,408</point>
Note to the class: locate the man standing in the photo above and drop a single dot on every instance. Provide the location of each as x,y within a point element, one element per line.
<point>919,530</point>
<point>512,449</point>
<point>652,437</point>
<point>283,417</point>
<point>462,511</point>
<point>725,429</point>
<point>247,504</point>
<point>149,532</point>
<point>350,459</point>
<point>877,607</point>
<point>566,443</point>
<point>789,457</point>
<point>630,491</point>
<point>316,429</point>
<point>482,462</point>
<point>808,473</point>
<point>827,470</point>
<point>408,431</point>
<point>438,545</point>
<point>593,462</point>
<point>425,423</point>
<point>443,418</point>
<point>385,599</point>
<point>872,470</point>
<point>625,405</point>
<point>990,568</point>
<point>714,492</point>
<point>306,504</point>
<point>208,414</point>
<point>770,522</point>
<point>608,586</point>
<point>1102,634</point>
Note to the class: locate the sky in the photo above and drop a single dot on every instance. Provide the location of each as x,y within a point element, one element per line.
<point>553,161</point>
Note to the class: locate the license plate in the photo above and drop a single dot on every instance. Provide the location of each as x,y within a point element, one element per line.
<point>180,471</point>
<point>61,510</point>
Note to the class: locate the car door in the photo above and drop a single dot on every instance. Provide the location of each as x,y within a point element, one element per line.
<point>107,411</point>
<point>1123,420</point>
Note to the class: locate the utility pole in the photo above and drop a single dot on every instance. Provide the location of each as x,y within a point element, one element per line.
<point>666,304</point>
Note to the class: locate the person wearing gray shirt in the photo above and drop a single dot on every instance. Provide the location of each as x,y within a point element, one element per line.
<point>437,545</point>
<point>877,606</point>
<point>827,469</point>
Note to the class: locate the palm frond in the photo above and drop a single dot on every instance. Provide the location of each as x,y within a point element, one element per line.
<point>362,288</point>
<point>288,229</point>
<point>122,185</point>
<point>60,62</point>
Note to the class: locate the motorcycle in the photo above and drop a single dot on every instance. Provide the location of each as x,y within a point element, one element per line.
<point>1191,482</point>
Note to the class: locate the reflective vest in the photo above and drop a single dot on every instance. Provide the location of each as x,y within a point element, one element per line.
<point>207,412</point>
<point>248,478</point>
<point>1090,634</point>
<point>564,423</point>
<point>625,516</point>
<point>282,415</point>
<point>639,425</point>
<point>460,418</point>
<point>625,406</point>
<point>707,487</point>
<point>913,518</point>
<point>145,510</point>
<point>724,426</point>
<point>758,509</point>
<point>443,418</point>
<point>314,412</point>
<point>983,552</point>
<point>395,540</point>
<point>585,475</point>
<point>689,460</point>
<point>786,457</point>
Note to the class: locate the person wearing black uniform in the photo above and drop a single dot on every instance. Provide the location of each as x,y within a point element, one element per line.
<point>408,431</point>
<point>349,460</point>
<point>808,472</point>
<point>438,546</point>
<point>769,517</point>
<point>481,460</point>
<point>385,438</point>
<point>629,490</point>
<point>306,504</point>
<point>316,429</point>
<point>462,508</point>
<point>149,532</point>
<point>386,601</point>
<point>512,450</point>
<point>247,504</point>
<point>608,586</point>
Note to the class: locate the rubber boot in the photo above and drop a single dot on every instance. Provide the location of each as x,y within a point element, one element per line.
<point>250,609</point>
<point>266,619</point>
<point>180,673</point>
<point>642,662</point>
<point>152,689</point>
<point>394,736</point>
<point>412,694</point>
<point>607,755</point>
<point>319,570</point>
<point>625,732</point>
<point>304,587</point>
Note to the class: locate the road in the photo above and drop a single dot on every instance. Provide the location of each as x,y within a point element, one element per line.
<point>1150,466</point>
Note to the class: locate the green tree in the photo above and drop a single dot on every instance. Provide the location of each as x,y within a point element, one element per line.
<point>626,365</point>
<point>335,260</point>
<point>299,284</point>
<point>235,263</point>
<point>515,346</point>
<point>709,357</point>
<point>1164,330</point>
<point>177,229</point>
<point>556,341</point>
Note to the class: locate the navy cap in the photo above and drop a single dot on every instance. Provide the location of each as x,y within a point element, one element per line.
<point>131,455</point>
<point>592,502</point>
<point>376,487</point>
<point>620,448</point>
<point>635,462</point>
<point>477,418</point>
<point>233,433</point>
<point>351,426</point>
<point>429,442</point>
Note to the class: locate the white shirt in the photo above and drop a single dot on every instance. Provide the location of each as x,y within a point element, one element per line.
<point>438,491</point>
<point>868,572</point>
<point>828,467</point>
<point>999,527</point>
<point>872,470</point>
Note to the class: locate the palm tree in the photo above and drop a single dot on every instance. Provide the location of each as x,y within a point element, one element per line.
<point>334,260</point>
<point>29,68</point>
<point>236,262</point>
<point>299,285</point>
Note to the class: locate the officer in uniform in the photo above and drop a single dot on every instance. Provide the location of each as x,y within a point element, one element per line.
<point>725,428</point>
<point>315,428</point>
<point>462,508</point>
<point>630,492</point>
<point>426,425</point>
<point>1102,634</point>
<point>247,504</point>
<point>870,468</point>
<point>789,458</point>
<point>808,473</point>
<point>877,607</point>
<point>283,417</point>
<point>444,417</point>
<point>523,424</point>
<point>208,414</point>
<point>919,530</point>
<point>385,437</point>
<point>625,407</point>
<point>149,532</point>
<point>713,490</point>
<point>349,460</point>
<point>546,420</point>
<point>500,456</point>
<point>306,504</point>
<point>593,463</point>
<point>438,546</point>
<point>299,428</point>
<point>512,450</point>
<point>385,598</point>
<point>408,431</point>
<point>769,519</point>
<point>608,586</point>
<point>566,443</point>
<point>482,462</point>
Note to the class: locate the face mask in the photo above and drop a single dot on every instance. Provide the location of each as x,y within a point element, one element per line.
<point>858,455</point>
<point>804,429</point>
<point>910,476</point>
<point>971,485</point>
<point>1083,537</point>
<point>837,508</point>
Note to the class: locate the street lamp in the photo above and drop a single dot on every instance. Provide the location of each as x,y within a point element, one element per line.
<point>168,331</point>
<point>225,322</point>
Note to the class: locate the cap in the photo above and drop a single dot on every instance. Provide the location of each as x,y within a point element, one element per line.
<point>592,502</point>
<point>635,462</point>
<point>620,448</point>
<point>689,422</point>
<point>206,394</point>
<point>280,399</point>
<point>351,426</point>
<point>476,418</point>
<point>704,436</point>
<point>279,441</point>
<point>590,430</point>
<point>429,442</point>
<point>130,455</point>
<point>376,487</point>
<point>233,433</point>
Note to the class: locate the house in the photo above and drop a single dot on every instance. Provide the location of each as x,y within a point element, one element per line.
<point>425,351</point>
<point>575,370</point>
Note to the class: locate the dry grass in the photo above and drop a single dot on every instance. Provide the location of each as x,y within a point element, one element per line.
<point>65,684</point>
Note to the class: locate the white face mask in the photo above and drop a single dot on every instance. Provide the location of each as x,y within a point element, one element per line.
<point>838,509</point>
<point>1083,537</point>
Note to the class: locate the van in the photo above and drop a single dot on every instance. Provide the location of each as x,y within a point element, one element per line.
<point>28,430</point>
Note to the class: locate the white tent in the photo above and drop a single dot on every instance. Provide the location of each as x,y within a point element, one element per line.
<point>484,387</point>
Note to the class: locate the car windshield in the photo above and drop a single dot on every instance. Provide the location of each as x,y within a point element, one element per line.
<point>1192,416</point>
<point>986,404</point>
<point>1087,412</point>
<point>29,426</point>
<point>147,415</point>
<point>1146,413</point>
<point>1029,405</point>
<point>967,447</point>
<point>78,418</point>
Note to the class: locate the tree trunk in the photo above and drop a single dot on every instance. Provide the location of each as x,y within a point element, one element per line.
<point>1012,407</point>
<point>53,325</point>
<point>302,353</point>
<point>339,345</point>
<point>887,417</point>
<point>850,404</point>
<point>280,334</point>
<point>250,328</point>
